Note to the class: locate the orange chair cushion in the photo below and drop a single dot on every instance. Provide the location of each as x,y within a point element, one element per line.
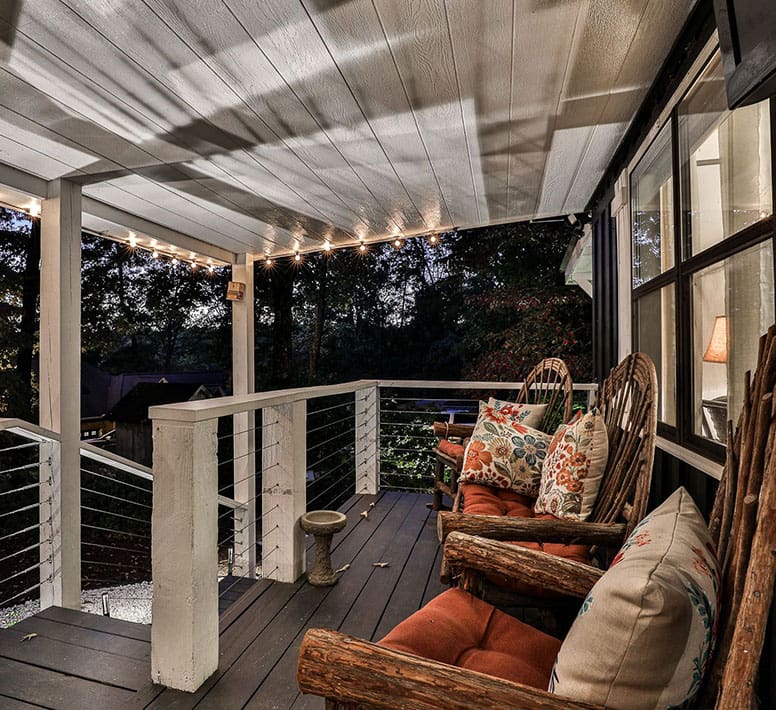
<point>454,451</point>
<point>461,630</point>
<point>482,500</point>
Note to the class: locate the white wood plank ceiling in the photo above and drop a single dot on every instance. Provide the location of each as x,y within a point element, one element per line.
<point>271,125</point>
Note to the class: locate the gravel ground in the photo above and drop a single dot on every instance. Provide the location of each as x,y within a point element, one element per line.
<point>131,602</point>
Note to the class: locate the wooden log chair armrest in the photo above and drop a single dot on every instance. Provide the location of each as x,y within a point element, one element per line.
<point>340,667</point>
<point>496,527</point>
<point>444,430</point>
<point>449,460</point>
<point>471,556</point>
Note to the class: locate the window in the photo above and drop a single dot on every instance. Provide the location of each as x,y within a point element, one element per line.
<point>732,306</point>
<point>652,190</point>
<point>656,336</point>
<point>701,199</point>
<point>726,162</point>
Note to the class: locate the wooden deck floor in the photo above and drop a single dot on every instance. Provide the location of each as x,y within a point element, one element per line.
<point>107,665</point>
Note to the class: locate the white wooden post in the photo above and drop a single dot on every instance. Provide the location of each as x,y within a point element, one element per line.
<point>284,490</point>
<point>184,554</point>
<point>244,423</point>
<point>60,380</point>
<point>50,517</point>
<point>368,440</point>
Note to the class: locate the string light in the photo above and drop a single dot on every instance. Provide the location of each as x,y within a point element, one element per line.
<point>397,243</point>
<point>267,261</point>
<point>362,248</point>
<point>155,254</point>
<point>433,239</point>
<point>34,210</point>
<point>211,268</point>
<point>174,261</point>
<point>193,265</point>
<point>132,239</point>
<point>327,245</point>
<point>297,257</point>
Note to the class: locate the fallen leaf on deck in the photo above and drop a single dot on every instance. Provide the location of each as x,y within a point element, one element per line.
<point>381,564</point>
<point>27,637</point>
<point>365,514</point>
<point>344,568</point>
<point>372,505</point>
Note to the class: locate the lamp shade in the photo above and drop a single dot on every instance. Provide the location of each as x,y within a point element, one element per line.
<point>717,349</point>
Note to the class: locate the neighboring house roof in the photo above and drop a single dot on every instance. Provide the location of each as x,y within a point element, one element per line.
<point>134,406</point>
<point>101,390</point>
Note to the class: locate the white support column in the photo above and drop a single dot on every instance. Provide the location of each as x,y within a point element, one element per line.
<point>284,490</point>
<point>184,554</point>
<point>368,440</point>
<point>244,423</point>
<point>60,378</point>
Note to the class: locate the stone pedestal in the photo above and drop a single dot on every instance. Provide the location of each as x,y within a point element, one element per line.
<point>322,524</point>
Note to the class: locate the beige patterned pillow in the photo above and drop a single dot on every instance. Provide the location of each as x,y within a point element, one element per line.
<point>644,635</point>
<point>505,453</point>
<point>572,471</point>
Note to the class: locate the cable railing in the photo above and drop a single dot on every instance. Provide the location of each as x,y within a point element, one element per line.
<point>26,522</point>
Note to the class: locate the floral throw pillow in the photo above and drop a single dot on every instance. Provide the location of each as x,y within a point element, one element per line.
<point>527,414</point>
<point>505,454</point>
<point>573,469</point>
<point>654,613</point>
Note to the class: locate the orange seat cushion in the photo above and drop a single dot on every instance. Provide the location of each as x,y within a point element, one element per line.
<point>454,451</point>
<point>482,500</point>
<point>461,630</point>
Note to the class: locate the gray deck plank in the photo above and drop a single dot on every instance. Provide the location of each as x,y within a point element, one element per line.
<point>78,661</point>
<point>118,627</point>
<point>88,638</point>
<point>356,602</point>
<point>50,689</point>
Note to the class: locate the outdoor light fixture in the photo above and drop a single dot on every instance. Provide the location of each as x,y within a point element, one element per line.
<point>397,243</point>
<point>267,260</point>
<point>132,239</point>
<point>34,210</point>
<point>327,245</point>
<point>433,239</point>
<point>235,291</point>
<point>297,257</point>
<point>362,248</point>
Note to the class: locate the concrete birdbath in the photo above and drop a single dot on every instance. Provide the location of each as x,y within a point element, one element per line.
<point>322,524</point>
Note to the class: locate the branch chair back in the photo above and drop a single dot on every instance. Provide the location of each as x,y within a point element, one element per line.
<point>352,673</point>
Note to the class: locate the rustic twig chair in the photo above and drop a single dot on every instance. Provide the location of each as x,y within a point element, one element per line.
<point>628,402</point>
<point>548,383</point>
<point>352,673</point>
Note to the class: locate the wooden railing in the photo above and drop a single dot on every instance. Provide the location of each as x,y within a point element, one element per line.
<point>272,472</point>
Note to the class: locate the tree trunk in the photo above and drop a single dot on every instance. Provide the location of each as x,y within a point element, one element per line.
<point>320,317</point>
<point>29,321</point>
<point>282,289</point>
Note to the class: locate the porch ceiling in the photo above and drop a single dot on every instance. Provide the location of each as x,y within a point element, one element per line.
<point>250,125</point>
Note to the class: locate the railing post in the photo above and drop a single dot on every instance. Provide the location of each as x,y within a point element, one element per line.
<point>184,554</point>
<point>368,440</point>
<point>243,378</point>
<point>50,517</point>
<point>284,490</point>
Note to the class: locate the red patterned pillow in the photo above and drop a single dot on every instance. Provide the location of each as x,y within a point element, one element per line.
<point>573,468</point>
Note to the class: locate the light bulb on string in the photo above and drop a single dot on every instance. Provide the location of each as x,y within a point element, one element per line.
<point>155,254</point>
<point>433,239</point>
<point>297,257</point>
<point>211,268</point>
<point>132,240</point>
<point>174,261</point>
<point>193,265</point>
<point>327,245</point>
<point>397,243</point>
